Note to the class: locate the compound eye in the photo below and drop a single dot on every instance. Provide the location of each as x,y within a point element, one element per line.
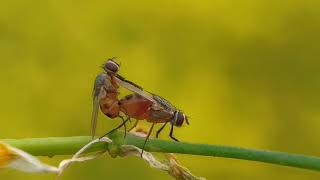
<point>111,66</point>
<point>180,119</point>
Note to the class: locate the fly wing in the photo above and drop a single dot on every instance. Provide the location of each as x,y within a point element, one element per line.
<point>98,94</point>
<point>125,80</point>
<point>134,88</point>
<point>165,104</point>
<point>94,116</point>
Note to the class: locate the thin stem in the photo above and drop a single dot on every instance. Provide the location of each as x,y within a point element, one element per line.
<point>69,145</point>
<point>52,146</point>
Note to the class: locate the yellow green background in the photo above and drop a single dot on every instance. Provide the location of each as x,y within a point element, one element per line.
<point>246,72</point>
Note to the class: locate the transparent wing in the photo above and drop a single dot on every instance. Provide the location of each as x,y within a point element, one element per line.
<point>130,82</point>
<point>164,103</point>
<point>134,88</point>
<point>94,116</point>
<point>98,93</point>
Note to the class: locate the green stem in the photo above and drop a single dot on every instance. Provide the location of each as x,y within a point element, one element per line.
<point>69,145</point>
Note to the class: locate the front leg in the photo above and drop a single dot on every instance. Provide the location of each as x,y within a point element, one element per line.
<point>171,134</point>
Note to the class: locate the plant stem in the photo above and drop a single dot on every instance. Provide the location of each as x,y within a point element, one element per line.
<point>69,145</point>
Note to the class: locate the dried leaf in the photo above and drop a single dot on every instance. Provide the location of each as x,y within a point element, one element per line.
<point>11,157</point>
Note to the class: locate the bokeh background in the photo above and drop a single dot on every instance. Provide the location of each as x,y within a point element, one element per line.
<point>246,72</point>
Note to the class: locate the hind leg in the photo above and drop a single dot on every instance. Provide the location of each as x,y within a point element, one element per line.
<point>145,141</point>
<point>122,124</point>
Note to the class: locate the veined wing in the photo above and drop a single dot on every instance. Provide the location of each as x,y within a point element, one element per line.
<point>125,80</point>
<point>94,116</point>
<point>164,103</point>
<point>98,93</point>
<point>134,88</point>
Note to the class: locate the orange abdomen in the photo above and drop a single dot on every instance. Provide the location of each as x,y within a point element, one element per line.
<point>110,106</point>
<point>135,106</point>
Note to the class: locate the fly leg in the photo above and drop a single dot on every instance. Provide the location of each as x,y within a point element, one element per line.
<point>145,141</point>
<point>171,134</point>
<point>159,130</point>
<point>135,124</point>
<point>122,124</point>
<point>111,109</point>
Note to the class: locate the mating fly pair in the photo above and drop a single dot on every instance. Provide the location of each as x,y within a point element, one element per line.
<point>141,105</point>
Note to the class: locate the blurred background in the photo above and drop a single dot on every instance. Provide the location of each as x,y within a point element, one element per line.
<point>246,72</point>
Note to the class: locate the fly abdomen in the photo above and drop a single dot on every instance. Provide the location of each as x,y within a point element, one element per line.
<point>110,107</point>
<point>135,106</point>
